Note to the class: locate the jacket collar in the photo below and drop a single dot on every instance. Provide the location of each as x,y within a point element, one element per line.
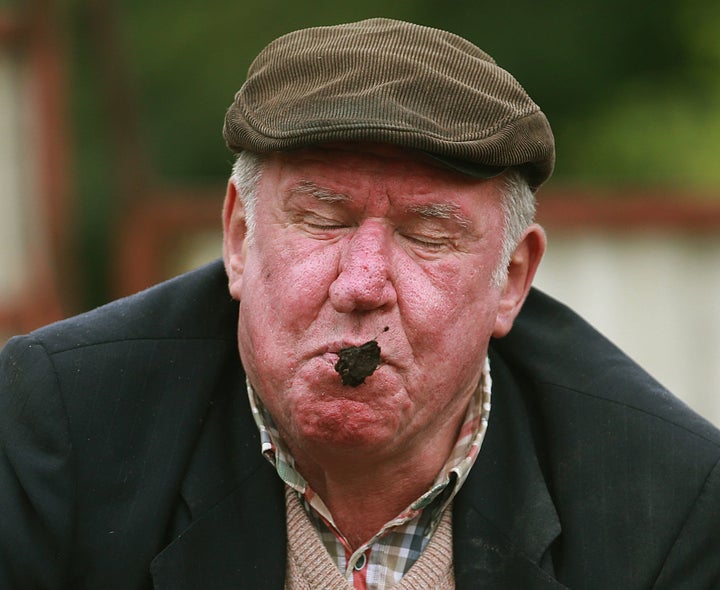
<point>504,519</point>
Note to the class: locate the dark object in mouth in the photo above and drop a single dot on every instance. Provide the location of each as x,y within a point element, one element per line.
<point>358,362</point>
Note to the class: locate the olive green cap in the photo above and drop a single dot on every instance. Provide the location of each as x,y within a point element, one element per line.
<point>390,81</point>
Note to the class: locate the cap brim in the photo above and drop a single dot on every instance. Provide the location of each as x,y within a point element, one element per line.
<point>472,169</point>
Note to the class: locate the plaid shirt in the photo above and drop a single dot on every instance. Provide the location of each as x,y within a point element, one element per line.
<point>380,563</point>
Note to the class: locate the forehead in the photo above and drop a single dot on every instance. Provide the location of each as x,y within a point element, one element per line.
<point>378,171</point>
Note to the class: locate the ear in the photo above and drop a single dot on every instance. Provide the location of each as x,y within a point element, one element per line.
<point>234,239</point>
<point>521,270</point>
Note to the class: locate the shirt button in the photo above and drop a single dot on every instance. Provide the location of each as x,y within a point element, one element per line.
<point>360,563</point>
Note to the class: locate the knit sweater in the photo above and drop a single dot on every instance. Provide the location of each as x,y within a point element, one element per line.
<point>310,567</point>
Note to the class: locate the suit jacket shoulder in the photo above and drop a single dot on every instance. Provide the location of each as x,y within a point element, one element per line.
<point>193,306</point>
<point>101,419</point>
<point>630,468</point>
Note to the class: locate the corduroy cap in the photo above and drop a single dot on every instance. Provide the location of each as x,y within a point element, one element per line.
<point>390,81</point>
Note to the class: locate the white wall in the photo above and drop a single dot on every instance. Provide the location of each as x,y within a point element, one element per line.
<point>655,294</point>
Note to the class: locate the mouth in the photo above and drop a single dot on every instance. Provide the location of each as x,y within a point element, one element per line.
<point>356,363</point>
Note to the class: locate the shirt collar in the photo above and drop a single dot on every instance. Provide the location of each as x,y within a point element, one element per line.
<point>455,470</point>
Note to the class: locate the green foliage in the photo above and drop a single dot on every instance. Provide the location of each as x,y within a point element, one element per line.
<point>649,134</point>
<point>658,124</point>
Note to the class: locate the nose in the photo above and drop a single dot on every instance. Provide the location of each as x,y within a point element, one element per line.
<point>364,278</point>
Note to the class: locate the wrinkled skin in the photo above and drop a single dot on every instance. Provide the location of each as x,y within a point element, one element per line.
<point>351,239</point>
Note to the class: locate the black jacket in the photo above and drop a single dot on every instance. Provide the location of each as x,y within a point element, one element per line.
<point>130,459</point>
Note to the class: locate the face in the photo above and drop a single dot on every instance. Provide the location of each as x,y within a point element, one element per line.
<point>358,243</point>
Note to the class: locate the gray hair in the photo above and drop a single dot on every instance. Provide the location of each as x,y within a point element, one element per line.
<point>246,173</point>
<point>518,204</point>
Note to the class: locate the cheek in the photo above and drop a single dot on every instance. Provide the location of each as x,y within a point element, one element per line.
<point>292,278</point>
<point>444,291</point>
<point>448,306</point>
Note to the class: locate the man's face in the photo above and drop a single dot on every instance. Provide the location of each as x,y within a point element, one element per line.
<point>361,243</point>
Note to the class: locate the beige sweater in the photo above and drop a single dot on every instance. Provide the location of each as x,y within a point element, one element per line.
<point>310,567</point>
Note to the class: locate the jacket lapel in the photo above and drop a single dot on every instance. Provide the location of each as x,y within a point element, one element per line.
<point>230,527</point>
<point>238,543</point>
<point>504,520</point>
<point>485,558</point>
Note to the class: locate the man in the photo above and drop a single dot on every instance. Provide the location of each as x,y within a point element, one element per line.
<point>379,250</point>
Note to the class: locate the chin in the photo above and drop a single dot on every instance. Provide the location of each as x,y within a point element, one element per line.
<point>345,425</point>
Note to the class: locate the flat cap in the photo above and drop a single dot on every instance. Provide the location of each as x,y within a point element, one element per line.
<point>390,81</point>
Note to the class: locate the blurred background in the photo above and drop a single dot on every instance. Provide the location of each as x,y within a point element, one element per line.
<point>113,167</point>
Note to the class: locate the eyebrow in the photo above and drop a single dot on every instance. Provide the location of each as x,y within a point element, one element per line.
<point>442,211</point>
<point>306,187</point>
<point>428,211</point>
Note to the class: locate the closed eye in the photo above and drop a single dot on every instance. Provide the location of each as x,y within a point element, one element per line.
<point>318,225</point>
<point>326,225</point>
<point>426,242</point>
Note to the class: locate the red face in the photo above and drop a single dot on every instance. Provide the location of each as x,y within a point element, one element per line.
<point>363,243</point>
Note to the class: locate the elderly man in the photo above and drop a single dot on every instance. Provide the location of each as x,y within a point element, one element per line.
<point>379,247</point>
